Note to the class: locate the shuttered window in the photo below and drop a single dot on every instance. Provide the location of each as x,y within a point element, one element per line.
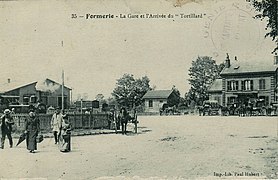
<point>247,85</point>
<point>262,84</point>
<point>150,103</point>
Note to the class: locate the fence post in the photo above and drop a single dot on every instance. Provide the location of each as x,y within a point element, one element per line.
<point>74,120</point>
<point>90,120</point>
<point>82,122</point>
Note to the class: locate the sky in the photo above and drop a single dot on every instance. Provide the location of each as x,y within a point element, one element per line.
<point>40,39</point>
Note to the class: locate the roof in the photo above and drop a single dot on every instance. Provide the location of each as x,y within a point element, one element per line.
<point>158,94</point>
<point>248,68</point>
<point>16,85</point>
<point>47,80</point>
<point>13,85</point>
<point>216,85</point>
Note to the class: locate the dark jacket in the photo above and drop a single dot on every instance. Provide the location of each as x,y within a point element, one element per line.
<point>6,123</point>
<point>32,125</point>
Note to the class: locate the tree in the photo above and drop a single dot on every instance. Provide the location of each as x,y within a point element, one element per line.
<point>129,91</point>
<point>111,101</point>
<point>174,100</point>
<point>268,9</point>
<point>100,98</point>
<point>202,73</point>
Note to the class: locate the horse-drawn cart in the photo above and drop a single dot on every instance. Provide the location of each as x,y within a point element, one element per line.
<point>130,118</point>
<point>210,107</point>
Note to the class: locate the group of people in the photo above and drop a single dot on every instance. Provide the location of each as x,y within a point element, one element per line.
<point>61,130</point>
<point>59,124</point>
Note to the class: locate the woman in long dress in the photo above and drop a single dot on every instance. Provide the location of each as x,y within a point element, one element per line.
<point>32,128</point>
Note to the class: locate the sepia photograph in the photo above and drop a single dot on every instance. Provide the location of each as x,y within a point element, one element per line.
<point>138,89</point>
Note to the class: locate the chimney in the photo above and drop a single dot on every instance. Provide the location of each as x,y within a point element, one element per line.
<point>9,80</point>
<point>227,61</point>
<point>275,59</point>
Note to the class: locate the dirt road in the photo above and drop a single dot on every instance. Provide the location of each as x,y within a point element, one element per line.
<point>165,148</point>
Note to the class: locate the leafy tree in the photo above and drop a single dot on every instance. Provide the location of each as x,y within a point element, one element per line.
<point>202,73</point>
<point>129,91</point>
<point>268,9</point>
<point>100,98</point>
<point>174,100</point>
<point>190,97</point>
<point>111,101</point>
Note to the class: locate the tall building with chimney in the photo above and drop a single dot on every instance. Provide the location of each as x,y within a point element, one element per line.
<point>246,83</point>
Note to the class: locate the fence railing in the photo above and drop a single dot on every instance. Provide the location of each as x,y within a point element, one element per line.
<point>77,121</point>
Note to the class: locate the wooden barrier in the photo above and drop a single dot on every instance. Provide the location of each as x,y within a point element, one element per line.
<point>78,121</point>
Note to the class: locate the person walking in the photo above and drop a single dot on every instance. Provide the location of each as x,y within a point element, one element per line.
<point>6,127</point>
<point>65,138</point>
<point>56,124</point>
<point>32,128</point>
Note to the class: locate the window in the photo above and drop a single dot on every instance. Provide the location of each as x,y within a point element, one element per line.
<point>26,100</point>
<point>33,99</point>
<point>150,103</point>
<point>262,84</point>
<point>247,85</point>
<point>217,98</point>
<point>232,85</point>
<point>59,101</point>
<point>232,100</point>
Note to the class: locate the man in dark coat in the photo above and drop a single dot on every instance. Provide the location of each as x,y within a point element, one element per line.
<point>6,128</point>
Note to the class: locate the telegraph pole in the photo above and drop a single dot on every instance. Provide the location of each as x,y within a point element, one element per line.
<point>63,90</point>
<point>63,85</point>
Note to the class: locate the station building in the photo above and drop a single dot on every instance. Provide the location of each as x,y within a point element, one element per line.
<point>246,83</point>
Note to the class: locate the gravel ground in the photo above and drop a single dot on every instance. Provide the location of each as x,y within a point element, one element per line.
<point>168,147</point>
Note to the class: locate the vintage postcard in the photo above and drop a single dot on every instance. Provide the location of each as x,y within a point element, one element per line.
<point>138,89</point>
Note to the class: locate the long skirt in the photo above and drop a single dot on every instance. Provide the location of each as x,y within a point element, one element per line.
<point>31,140</point>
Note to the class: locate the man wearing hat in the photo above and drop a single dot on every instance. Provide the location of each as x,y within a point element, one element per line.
<point>6,127</point>
<point>56,124</point>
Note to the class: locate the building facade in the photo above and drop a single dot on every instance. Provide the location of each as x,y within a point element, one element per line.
<point>154,100</point>
<point>245,83</point>
<point>47,92</point>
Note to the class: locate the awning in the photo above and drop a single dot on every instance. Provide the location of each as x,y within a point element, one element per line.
<point>19,105</point>
<point>246,92</point>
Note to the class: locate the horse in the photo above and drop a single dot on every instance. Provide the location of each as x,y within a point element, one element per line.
<point>123,118</point>
<point>224,111</point>
<point>242,110</point>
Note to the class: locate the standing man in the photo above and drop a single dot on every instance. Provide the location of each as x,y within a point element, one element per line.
<point>6,127</point>
<point>56,124</point>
